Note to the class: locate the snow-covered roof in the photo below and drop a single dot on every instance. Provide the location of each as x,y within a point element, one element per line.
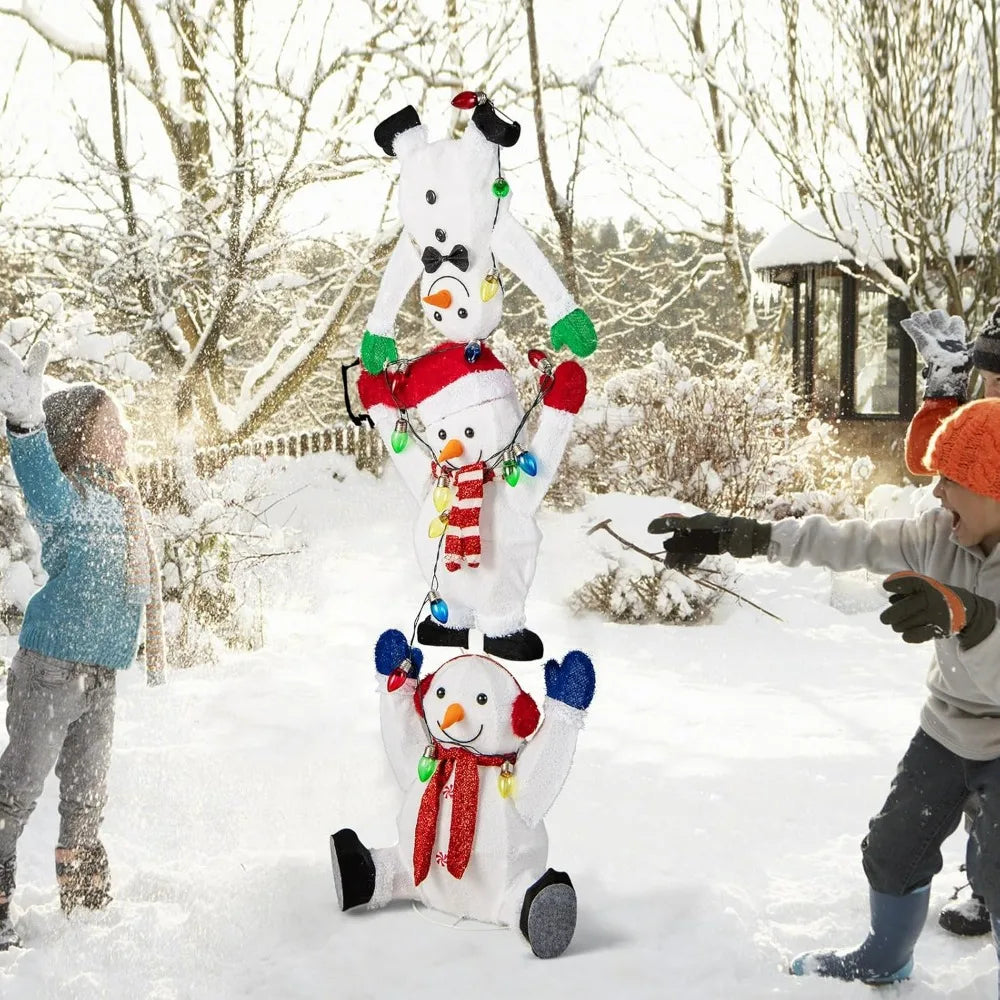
<point>861,235</point>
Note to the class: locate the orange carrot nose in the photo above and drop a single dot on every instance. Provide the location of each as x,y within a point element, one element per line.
<point>441,299</point>
<point>452,714</point>
<point>452,449</point>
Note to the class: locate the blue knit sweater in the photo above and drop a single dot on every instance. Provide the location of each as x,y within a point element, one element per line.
<point>81,613</point>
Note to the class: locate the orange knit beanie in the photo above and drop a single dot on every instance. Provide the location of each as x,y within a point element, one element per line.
<point>966,448</point>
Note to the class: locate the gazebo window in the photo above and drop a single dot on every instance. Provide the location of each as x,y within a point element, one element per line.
<point>851,357</point>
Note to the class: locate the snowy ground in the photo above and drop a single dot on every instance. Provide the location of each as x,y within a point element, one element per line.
<point>711,823</point>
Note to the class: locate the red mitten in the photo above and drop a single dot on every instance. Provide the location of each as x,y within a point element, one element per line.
<point>569,388</point>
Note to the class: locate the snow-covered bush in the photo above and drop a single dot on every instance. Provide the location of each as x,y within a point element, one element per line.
<point>733,441</point>
<point>20,551</point>
<point>213,544</point>
<point>628,593</point>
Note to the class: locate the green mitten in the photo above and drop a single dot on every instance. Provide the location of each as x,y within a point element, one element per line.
<point>377,351</point>
<point>576,332</point>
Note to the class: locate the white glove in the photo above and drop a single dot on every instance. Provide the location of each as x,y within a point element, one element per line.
<point>21,387</point>
<point>942,342</point>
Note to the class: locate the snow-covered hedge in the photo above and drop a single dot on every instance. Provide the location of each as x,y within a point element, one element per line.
<point>732,441</point>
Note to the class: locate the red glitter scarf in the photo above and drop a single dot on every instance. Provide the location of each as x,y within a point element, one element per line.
<point>462,544</point>
<point>464,807</point>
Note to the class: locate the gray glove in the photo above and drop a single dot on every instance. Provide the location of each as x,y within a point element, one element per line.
<point>942,341</point>
<point>21,387</point>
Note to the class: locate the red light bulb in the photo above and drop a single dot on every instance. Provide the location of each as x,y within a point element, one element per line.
<point>466,100</point>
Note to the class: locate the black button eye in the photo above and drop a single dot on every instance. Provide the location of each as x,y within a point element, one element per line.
<point>437,315</point>
<point>470,432</point>
<point>482,699</point>
<point>431,197</point>
<point>462,313</point>
<point>443,434</point>
<point>440,235</point>
<point>440,692</point>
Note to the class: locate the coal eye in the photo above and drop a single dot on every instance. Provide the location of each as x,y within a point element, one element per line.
<point>440,235</point>
<point>431,197</point>
<point>437,315</point>
<point>469,432</point>
<point>440,692</point>
<point>443,434</point>
<point>482,699</point>
<point>462,313</point>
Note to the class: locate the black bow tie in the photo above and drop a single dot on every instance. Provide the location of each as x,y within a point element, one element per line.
<point>432,258</point>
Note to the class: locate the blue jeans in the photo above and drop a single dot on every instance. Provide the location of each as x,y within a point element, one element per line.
<point>58,713</point>
<point>928,796</point>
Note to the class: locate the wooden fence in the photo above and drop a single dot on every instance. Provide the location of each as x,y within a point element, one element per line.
<point>159,479</point>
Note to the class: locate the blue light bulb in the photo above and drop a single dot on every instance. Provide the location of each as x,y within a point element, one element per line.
<point>527,463</point>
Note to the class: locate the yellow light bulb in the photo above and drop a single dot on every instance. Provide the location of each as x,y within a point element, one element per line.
<point>436,528</point>
<point>441,497</point>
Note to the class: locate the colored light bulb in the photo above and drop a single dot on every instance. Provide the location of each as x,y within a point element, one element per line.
<point>399,436</point>
<point>489,286</point>
<point>426,764</point>
<point>439,609</point>
<point>397,678</point>
<point>511,473</point>
<point>441,496</point>
<point>467,100</point>
<point>505,781</point>
<point>540,360</point>
<point>501,188</point>
<point>472,351</point>
<point>436,528</point>
<point>526,462</point>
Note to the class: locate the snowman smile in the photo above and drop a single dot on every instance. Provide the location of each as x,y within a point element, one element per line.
<point>452,739</point>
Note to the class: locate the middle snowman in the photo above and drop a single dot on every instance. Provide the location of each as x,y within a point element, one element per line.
<point>475,533</point>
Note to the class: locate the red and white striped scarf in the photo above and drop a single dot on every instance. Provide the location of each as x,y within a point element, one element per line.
<point>462,544</point>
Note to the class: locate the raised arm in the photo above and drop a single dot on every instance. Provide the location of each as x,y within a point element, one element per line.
<point>403,269</point>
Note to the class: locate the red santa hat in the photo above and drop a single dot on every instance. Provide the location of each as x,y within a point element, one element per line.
<point>442,382</point>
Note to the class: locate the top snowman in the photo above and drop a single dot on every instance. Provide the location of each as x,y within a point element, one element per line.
<point>455,207</point>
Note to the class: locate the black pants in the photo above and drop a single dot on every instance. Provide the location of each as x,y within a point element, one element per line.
<point>903,848</point>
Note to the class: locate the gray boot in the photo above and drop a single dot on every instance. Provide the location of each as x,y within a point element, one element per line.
<point>84,880</point>
<point>886,955</point>
<point>8,936</point>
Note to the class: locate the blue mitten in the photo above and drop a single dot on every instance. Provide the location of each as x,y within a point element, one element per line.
<point>571,682</point>
<point>942,342</point>
<point>390,651</point>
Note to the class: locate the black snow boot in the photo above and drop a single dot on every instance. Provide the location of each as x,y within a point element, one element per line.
<point>967,917</point>
<point>433,633</point>
<point>83,877</point>
<point>353,869</point>
<point>520,646</point>
<point>548,915</point>
<point>8,936</point>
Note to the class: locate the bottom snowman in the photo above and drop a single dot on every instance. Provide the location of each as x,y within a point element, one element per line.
<point>471,838</point>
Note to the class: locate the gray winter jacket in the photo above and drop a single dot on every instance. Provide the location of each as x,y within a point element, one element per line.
<point>963,709</point>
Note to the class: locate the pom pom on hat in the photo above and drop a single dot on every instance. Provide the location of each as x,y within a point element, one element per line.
<point>966,448</point>
<point>986,346</point>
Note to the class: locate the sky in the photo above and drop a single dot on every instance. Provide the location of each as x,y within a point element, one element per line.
<point>44,94</point>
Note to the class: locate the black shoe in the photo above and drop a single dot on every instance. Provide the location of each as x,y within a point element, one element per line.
<point>433,633</point>
<point>353,869</point>
<point>522,645</point>
<point>548,915</point>
<point>967,917</point>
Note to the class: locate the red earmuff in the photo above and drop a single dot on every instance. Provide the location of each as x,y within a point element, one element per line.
<point>524,716</point>
<point>418,694</point>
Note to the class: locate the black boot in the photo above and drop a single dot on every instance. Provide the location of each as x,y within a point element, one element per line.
<point>8,936</point>
<point>83,877</point>
<point>433,633</point>
<point>353,869</point>
<point>522,645</point>
<point>548,914</point>
<point>967,917</point>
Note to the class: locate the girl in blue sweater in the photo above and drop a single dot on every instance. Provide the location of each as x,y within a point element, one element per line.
<point>71,459</point>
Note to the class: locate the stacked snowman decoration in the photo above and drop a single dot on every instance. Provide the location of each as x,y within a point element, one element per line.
<point>478,765</point>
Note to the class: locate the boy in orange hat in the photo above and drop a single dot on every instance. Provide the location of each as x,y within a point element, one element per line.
<point>944,585</point>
